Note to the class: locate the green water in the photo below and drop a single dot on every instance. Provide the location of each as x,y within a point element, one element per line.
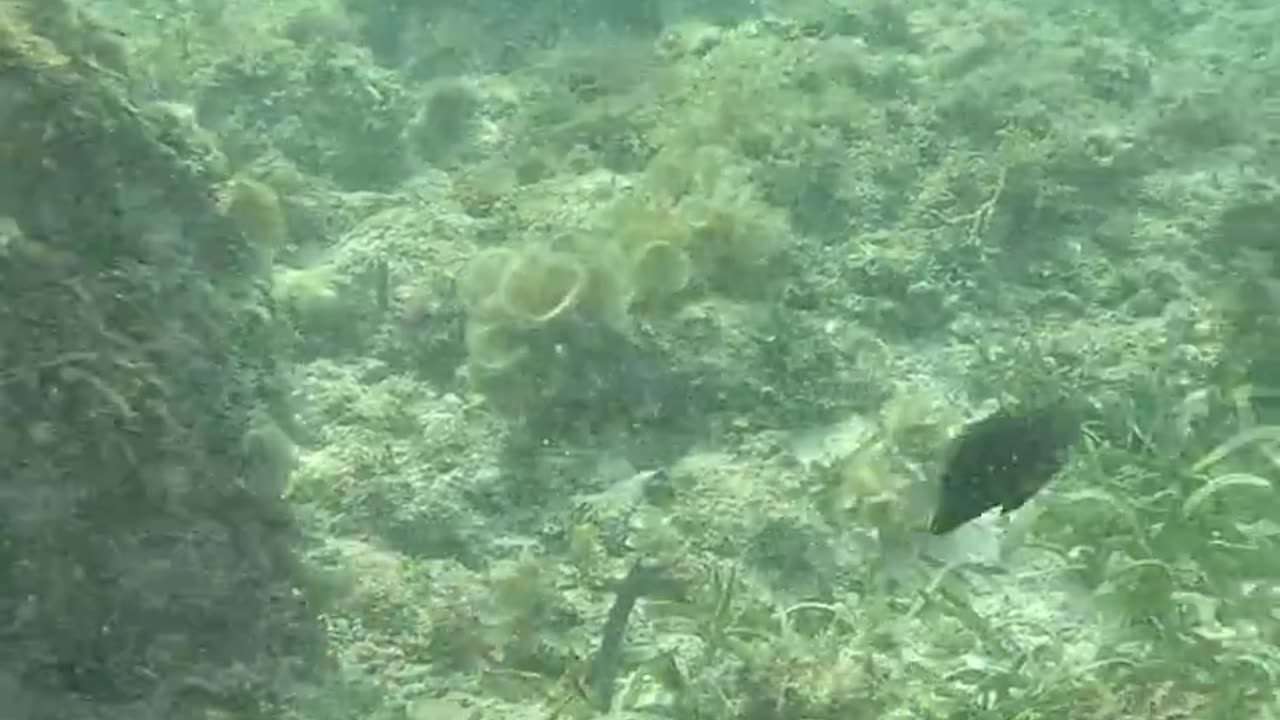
<point>353,352</point>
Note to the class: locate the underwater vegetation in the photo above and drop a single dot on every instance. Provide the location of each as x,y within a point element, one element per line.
<point>549,341</point>
<point>559,329</point>
<point>567,291</point>
<point>255,209</point>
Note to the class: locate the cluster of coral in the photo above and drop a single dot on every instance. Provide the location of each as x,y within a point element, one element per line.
<point>694,226</point>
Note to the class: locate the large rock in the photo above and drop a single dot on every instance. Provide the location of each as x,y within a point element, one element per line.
<point>144,562</point>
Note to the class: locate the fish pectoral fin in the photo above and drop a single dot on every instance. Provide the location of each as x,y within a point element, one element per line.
<point>1016,501</point>
<point>1021,492</point>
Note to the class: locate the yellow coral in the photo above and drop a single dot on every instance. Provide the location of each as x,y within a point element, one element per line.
<point>492,347</point>
<point>659,269</point>
<point>311,292</point>
<point>511,294</point>
<point>699,215</point>
<point>608,288</point>
<point>479,280</point>
<point>540,285</point>
<point>255,209</point>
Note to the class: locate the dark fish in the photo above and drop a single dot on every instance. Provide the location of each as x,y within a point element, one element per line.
<point>1003,459</point>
